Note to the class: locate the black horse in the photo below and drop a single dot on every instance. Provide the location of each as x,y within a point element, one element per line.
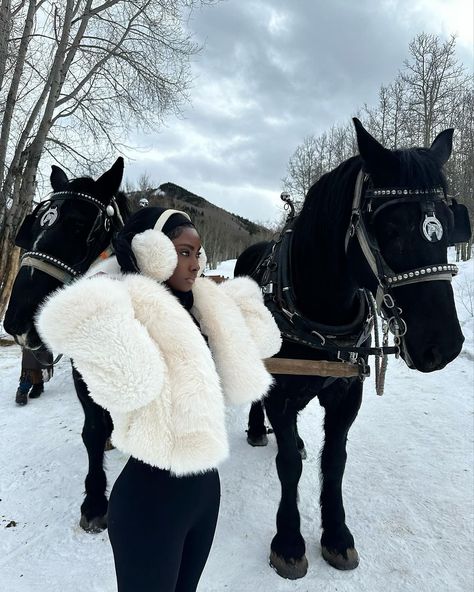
<point>380,223</point>
<point>62,237</point>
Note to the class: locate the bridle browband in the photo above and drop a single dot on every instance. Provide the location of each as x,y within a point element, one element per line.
<point>54,266</point>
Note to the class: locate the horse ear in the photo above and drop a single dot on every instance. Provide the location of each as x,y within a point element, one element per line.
<point>372,152</point>
<point>442,146</point>
<point>109,182</point>
<point>58,178</point>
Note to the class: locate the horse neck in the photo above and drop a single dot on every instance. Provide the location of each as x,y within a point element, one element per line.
<point>325,290</point>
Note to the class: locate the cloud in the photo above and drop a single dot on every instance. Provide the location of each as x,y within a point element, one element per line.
<point>271,73</point>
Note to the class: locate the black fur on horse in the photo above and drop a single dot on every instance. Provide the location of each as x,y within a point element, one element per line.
<point>326,282</point>
<point>82,231</point>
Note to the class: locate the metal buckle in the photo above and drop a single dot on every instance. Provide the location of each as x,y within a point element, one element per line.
<point>323,339</point>
<point>364,369</point>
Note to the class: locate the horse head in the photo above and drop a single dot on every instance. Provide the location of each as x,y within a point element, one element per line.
<point>402,224</point>
<point>62,237</point>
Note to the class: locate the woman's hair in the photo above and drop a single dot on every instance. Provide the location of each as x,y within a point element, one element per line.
<point>139,222</point>
<point>177,230</point>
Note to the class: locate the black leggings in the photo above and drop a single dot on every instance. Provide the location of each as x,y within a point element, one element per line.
<point>161,527</point>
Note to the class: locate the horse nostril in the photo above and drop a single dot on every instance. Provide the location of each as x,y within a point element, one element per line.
<point>433,359</point>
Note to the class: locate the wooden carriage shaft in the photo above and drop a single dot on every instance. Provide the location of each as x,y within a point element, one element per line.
<point>311,367</point>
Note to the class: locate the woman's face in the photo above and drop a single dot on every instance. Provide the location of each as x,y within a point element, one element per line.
<point>188,248</point>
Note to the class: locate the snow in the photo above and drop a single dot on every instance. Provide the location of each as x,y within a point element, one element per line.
<point>408,488</point>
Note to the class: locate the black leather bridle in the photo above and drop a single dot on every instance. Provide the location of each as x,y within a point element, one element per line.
<point>107,218</point>
<point>345,342</point>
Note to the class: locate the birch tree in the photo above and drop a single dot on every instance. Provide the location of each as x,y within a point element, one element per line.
<point>75,77</point>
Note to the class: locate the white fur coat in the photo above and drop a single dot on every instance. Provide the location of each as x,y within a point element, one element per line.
<point>145,360</point>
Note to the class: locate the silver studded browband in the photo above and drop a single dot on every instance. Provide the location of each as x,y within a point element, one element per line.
<point>85,196</point>
<point>435,192</point>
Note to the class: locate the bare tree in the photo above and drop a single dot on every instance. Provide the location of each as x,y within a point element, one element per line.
<point>316,156</point>
<point>75,76</point>
<point>303,167</point>
<point>434,79</point>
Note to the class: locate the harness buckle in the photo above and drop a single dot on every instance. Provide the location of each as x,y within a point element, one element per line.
<point>268,288</point>
<point>364,369</point>
<point>355,217</point>
<point>388,300</point>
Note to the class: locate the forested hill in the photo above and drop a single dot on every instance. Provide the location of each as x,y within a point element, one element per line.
<point>224,235</point>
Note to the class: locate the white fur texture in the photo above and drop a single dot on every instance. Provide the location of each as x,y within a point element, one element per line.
<point>92,321</point>
<point>155,254</point>
<point>242,372</point>
<point>247,295</point>
<point>145,360</point>
<point>202,260</point>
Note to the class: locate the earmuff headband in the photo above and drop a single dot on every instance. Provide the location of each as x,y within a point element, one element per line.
<point>165,216</point>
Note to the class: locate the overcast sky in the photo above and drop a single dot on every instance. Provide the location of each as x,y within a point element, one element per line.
<point>272,72</point>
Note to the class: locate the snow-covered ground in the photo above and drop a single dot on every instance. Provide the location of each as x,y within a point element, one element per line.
<point>408,489</point>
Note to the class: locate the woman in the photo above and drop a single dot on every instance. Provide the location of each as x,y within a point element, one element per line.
<point>161,357</point>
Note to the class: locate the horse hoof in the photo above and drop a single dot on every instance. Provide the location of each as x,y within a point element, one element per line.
<point>292,569</point>
<point>303,453</point>
<point>108,445</point>
<point>338,560</point>
<point>95,525</point>
<point>257,440</point>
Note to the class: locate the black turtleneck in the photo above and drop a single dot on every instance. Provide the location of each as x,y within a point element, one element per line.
<point>185,298</point>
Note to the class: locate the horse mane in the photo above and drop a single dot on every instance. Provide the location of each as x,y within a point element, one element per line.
<point>326,205</point>
<point>419,169</point>
<point>123,205</point>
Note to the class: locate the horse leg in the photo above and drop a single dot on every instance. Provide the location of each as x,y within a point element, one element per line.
<point>341,409</point>
<point>288,548</point>
<point>299,440</point>
<point>257,432</point>
<point>96,430</point>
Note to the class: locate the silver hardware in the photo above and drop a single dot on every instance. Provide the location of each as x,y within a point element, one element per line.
<point>109,210</point>
<point>323,339</point>
<point>50,216</point>
<point>432,228</point>
<point>388,301</point>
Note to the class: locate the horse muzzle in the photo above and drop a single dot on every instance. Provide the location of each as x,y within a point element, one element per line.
<point>429,358</point>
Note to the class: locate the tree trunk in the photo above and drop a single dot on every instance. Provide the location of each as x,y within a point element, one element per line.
<point>8,272</point>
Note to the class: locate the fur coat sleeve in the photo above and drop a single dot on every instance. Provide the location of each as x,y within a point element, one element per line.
<point>246,293</point>
<point>92,321</point>
<point>235,338</point>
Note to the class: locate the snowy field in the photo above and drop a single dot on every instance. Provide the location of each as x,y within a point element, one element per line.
<point>408,488</point>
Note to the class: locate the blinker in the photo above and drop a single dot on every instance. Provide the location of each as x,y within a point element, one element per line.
<point>24,238</point>
<point>461,232</point>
